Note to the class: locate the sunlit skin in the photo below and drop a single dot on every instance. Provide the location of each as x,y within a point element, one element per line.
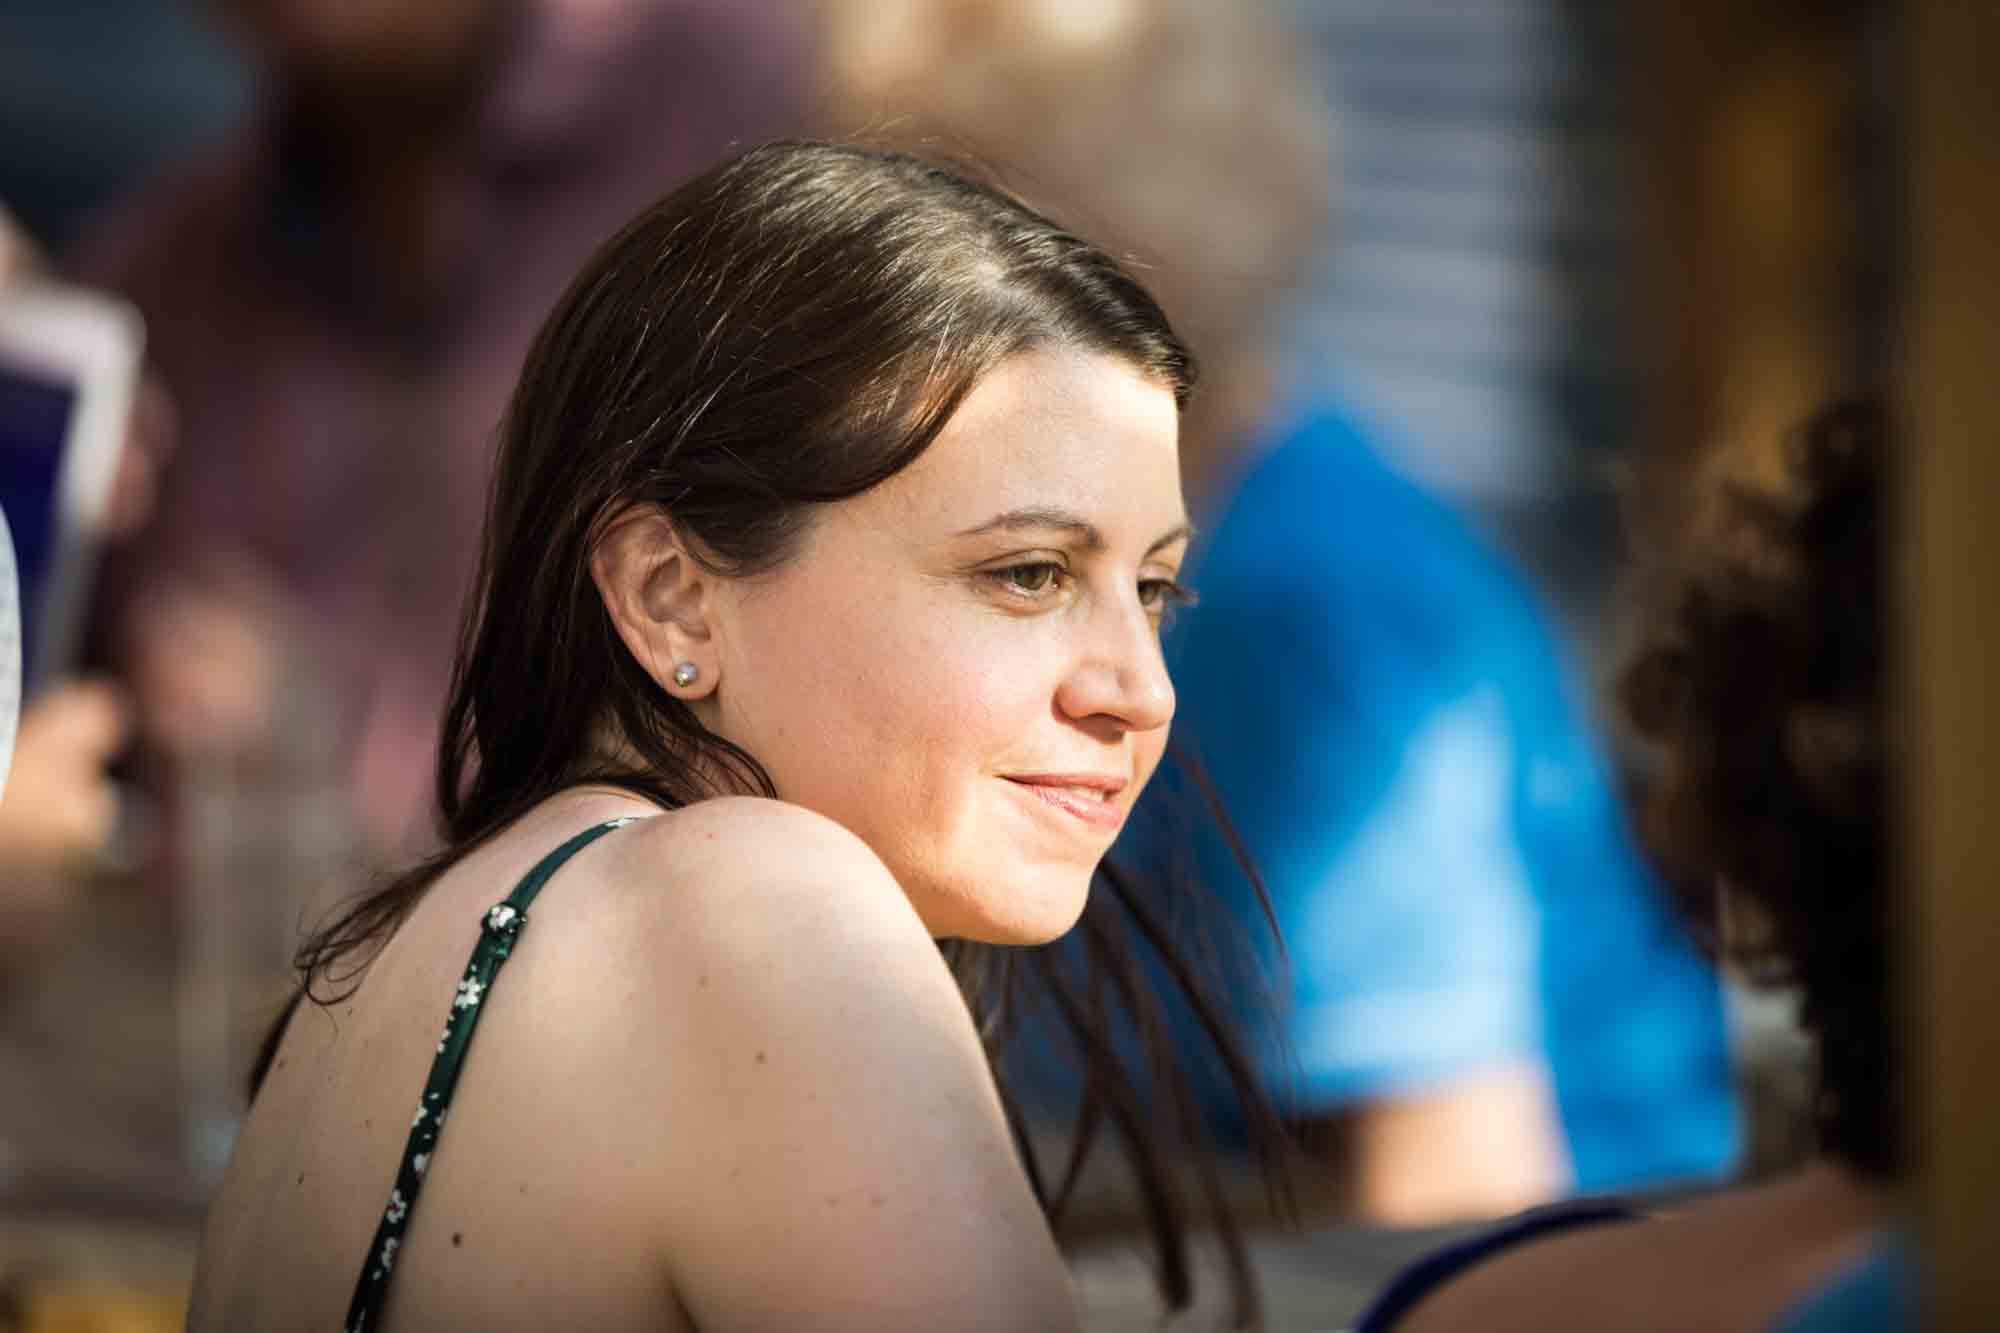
<point>962,665</point>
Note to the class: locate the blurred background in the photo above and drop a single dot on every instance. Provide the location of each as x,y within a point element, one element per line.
<point>1478,288</point>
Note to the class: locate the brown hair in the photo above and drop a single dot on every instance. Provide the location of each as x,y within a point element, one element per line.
<point>1761,683</point>
<point>784,331</point>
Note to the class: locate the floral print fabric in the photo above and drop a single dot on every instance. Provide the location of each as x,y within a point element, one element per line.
<point>498,931</point>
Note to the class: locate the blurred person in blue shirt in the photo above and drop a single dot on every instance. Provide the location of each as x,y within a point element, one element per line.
<point>1473,940</point>
<point>1489,1004</point>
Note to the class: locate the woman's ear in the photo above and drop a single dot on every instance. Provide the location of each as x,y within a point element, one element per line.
<point>660,598</point>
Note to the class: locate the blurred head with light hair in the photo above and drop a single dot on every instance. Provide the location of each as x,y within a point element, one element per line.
<point>1180,133</point>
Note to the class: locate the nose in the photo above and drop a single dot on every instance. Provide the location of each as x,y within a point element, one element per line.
<point>1120,677</point>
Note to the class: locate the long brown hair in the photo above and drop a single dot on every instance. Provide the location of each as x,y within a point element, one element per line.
<point>788,330</point>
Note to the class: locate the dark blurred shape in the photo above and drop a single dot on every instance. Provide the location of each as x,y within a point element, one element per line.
<point>1761,683</point>
<point>1947,655</point>
<point>339,303</point>
<point>94,96</point>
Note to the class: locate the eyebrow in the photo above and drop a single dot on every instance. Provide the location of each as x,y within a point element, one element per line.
<point>1088,535</point>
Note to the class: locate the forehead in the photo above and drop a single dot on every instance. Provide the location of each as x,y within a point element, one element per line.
<point>1054,426</point>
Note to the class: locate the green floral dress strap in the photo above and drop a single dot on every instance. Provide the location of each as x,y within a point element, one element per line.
<point>498,930</point>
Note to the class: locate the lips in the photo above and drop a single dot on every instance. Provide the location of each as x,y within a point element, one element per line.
<point>1089,797</point>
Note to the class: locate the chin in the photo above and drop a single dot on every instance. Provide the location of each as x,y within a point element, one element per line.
<point>1033,909</point>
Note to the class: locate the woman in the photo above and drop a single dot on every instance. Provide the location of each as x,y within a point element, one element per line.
<point>1761,682</point>
<point>836,515</point>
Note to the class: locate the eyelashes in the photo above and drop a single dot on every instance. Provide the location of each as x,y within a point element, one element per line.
<point>1163,597</point>
<point>1030,578</point>
<point>1039,581</point>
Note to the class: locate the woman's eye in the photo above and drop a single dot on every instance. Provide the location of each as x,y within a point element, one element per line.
<point>1163,596</point>
<point>1032,579</point>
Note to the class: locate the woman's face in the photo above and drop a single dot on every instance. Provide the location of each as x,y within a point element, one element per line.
<point>962,665</point>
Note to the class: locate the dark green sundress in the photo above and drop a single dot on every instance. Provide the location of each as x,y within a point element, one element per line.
<point>498,930</point>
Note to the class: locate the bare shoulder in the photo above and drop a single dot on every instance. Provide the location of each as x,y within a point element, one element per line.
<point>834,1116</point>
<point>759,914</point>
<point>741,916</point>
<point>703,867</point>
<point>756,835</point>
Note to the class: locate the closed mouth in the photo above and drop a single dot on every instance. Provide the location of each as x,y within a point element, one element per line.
<point>1090,797</point>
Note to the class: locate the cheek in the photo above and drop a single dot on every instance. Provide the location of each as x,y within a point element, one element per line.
<point>949,699</point>
<point>906,696</point>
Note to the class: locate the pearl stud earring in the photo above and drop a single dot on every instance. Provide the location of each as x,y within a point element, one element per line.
<point>685,674</point>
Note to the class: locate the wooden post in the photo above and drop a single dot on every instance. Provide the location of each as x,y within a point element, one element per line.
<point>1950,664</point>
<point>1754,225</point>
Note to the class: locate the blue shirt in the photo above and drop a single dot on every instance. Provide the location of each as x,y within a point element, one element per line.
<point>1400,742</point>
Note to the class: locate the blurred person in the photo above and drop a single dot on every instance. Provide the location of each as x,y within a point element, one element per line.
<point>65,810</point>
<point>1758,675</point>
<point>1492,1004</point>
<point>338,302</point>
<point>59,805</point>
<point>836,516</point>
<point>1182,129</point>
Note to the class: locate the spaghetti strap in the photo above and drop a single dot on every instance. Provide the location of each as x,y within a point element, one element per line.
<point>498,930</point>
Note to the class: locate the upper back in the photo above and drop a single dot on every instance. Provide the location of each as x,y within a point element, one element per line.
<point>661,1073</point>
